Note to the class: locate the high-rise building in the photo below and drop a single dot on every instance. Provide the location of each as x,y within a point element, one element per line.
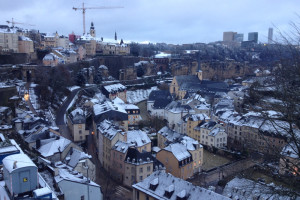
<point>228,36</point>
<point>270,35</point>
<point>253,36</point>
<point>239,37</point>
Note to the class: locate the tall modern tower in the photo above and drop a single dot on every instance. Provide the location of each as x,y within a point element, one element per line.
<point>228,36</point>
<point>270,36</point>
<point>253,36</point>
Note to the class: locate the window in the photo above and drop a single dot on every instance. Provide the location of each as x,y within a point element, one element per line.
<point>82,197</point>
<point>141,178</point>
<point>141,170</point>
<point>80,126</point>
<point>148,169</point>
<point>121,166</point>
<point>80,131</point>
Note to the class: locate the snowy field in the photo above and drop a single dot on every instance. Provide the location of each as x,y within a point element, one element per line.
<point>137,96</point>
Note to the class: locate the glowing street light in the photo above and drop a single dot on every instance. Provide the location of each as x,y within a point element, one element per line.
<point>26,96</point>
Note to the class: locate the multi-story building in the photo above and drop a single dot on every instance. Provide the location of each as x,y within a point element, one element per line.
<point>174,112</point>
<point>211,134</point>
<point>25,45</point>
<point>118,154</point>
<point>229,36</point>
<point>253,36</point>
<point>139,139</point>
<point>50,41</point>
<point>76,123</point>
<point>138,166</point>
<point>177,160</point>
<point>107,136</point>
<point>8,40</point>
<point>157,102</point>
<point>189,122</point>
<point>115,90</point>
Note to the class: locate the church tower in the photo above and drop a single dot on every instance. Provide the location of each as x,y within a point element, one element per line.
<point>92,30</point>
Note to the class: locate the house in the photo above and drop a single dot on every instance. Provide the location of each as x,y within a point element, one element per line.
<point>139,139</point>
<point>54,149</point>
<point>189,122</point>
<point>108,134</point>
<point>115,90</point>
<point>289,161</point>
<point>76,123</point>
<point>118,154</point>
<point>81,162</point>
<point>160,185</point>
<point>74,185</point>
<point>180,85</point>
<point>107,110</point>
<point>198,104</point>
<point>211,134</point>
<point>253,132</point>
<point>174,112</point>
<point>177,160</point>
<point>25,45</point>
<point>138,166</point>
<point>132,111</point>
<point>157,102</point>
<point>165,136</point>
<point>52,60</point>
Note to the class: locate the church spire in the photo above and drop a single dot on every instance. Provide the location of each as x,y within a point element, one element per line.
<point>116,36</point>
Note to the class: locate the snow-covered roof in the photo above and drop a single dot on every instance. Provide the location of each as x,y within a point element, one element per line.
<point>42,191</point>
<point>190,143</point>
<point>17,161</point>
<point>177,107</point>
<point>114,88</point>
<point>216,131</point>
<point>169,134</point>
<point>179,151</point>
<point>54,146</point>
<point>141,63</point>
<point>122,146</point>
<point>138,138</point>
<point>24,38</point>
<point>162,55</point>
<point>74,156</point>
<point>241,188</point>
<point>196,117</point>
<point>107,106</point>
<point>70,175</point>
<point>108,129</point>
<point>103,67</point>
<point>159,184</point>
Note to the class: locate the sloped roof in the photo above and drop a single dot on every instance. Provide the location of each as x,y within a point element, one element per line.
<point>179,188</point>
<point>74,156</point>
<point>179,151</point>
<point>54,146</point>
<point>138,137</point>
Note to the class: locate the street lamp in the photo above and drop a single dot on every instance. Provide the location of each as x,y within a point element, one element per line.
<point>26,96</point>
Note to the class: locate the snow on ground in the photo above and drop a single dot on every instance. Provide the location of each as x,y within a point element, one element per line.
<point>73,88</point>
<point>137,96</point>
<point>33,99</point>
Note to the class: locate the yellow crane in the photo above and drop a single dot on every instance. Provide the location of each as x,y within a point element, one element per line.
<point>98,7</point>
<point>13,22</point>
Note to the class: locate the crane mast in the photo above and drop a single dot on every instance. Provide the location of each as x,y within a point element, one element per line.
<point>84,9</point>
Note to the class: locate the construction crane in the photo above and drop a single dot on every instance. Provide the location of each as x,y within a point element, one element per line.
<point>99,7</point>
<point>12,22</point>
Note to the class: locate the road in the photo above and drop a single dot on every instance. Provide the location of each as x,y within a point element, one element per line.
<point>60,115</point>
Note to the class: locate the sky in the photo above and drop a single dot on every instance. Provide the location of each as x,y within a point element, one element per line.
<point>169,21</point>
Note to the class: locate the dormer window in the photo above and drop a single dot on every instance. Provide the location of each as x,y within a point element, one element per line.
<point>169,191</point>
<point>153,184</point>
<point>182,195</point>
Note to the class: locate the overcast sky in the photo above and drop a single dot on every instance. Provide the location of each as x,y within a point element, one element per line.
<point>170,21</point>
